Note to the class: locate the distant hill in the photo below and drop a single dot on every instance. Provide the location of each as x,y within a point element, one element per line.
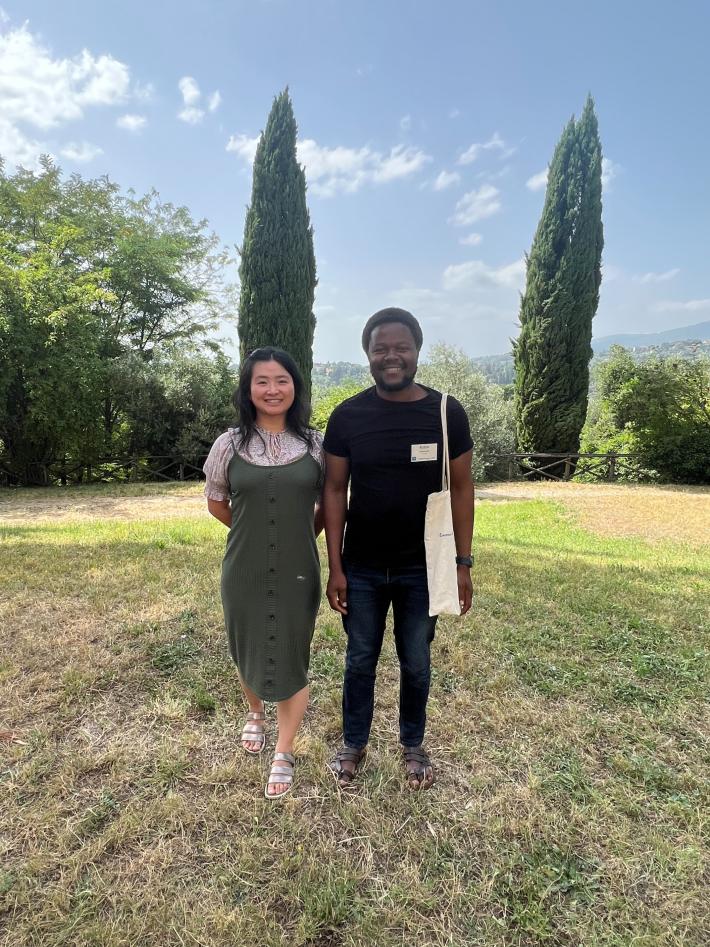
<point>686,342</point>
<point>699,332</point>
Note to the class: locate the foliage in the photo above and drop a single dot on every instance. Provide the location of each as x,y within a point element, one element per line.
<point>278,269</point>
<point>491,417</point>
<point>93,286</point>
<point>329,399</point>
<point>553,350</point>
<point>658,409</point>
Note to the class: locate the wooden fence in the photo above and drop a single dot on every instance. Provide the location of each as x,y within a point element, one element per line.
<point>561,467</point>
<point>555,466</point>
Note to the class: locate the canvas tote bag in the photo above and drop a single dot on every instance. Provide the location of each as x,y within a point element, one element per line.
<point>439,542</point>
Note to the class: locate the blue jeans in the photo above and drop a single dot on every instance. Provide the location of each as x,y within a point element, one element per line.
<point>369,596</point>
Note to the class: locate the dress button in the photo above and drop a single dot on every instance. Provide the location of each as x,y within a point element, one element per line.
<point>272,546</point>
<point>272,617</point>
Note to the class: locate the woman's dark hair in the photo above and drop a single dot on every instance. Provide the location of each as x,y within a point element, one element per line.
<point>298,414</point>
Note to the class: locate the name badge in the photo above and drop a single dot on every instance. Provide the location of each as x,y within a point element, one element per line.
<point>422,452</point>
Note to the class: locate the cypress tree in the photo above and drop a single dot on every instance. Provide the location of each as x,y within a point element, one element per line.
<point>278,269</point>
<point>553,350</point>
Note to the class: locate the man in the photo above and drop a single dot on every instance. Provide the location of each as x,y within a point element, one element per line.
<point>386,442</point>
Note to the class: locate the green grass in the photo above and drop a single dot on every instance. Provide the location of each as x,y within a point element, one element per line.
<point>568,724</point>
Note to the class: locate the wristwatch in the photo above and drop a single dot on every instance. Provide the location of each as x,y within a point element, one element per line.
<point>464,561</point>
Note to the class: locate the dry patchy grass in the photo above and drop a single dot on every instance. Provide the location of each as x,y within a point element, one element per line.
<point>675,513</point>
<point>568,722</point>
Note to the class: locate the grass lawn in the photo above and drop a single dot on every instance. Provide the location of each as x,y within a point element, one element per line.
<point>568,724</point>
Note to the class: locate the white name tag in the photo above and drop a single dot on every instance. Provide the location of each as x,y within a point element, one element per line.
<point>422,452</point>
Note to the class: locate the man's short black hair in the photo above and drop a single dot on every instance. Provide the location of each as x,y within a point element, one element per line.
<point>392,314</point>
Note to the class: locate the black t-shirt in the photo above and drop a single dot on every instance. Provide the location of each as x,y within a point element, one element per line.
<point>393,469</point>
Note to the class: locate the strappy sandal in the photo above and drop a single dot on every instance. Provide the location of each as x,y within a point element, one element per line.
<point>418,755</point>
<point>253,731</point>
<point>346,754</point>
<point>281,774</point>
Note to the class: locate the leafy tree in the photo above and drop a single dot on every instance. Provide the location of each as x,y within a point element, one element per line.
<point>658,409</point>
<point>88,279</point>
<point>553,350</point>
<point>328,400</point>
<point>491,417</point>
<point>278,270</point>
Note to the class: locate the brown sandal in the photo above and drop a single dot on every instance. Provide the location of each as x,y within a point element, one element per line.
<point>417,777</point>
<point>346,754</point>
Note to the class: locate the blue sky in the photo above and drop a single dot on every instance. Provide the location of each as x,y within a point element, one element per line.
<point>425,130</point>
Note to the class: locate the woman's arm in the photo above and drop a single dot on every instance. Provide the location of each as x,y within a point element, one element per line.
<point>221,510</point>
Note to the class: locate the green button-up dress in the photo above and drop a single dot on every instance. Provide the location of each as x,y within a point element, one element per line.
<point>271,574</point>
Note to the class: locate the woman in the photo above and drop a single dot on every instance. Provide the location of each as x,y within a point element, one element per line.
<point>263,481</point>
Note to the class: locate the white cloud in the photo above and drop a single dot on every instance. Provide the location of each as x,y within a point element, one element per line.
<point>243,146</point>
<point>610,170</point>
<point>42,92</point>
<point>192,111</point>
<point>399,163</point>
<point>17,148</point>
<point>191,115</point>
<point>454,112</point>
<point>80,152</point>
<point>476,205</point>
<point>479,275</point>
<point>189,90</point>
<point>446,179</point>
<point>658,277</point>
<point>131,123</point>
<point>471,240</point>
<point>692,305</point>
<point>472,153</point>
<point>405,123</point>
<point>330,171</point>
<point>538,181</point>
<point>45,92</point>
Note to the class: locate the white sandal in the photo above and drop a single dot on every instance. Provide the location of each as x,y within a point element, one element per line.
<point>253,731</point>
<point>281,774</point>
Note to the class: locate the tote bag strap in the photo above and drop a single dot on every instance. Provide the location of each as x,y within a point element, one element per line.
<point>445,462</point>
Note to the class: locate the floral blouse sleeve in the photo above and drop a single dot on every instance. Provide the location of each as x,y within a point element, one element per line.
<point>216,468</point>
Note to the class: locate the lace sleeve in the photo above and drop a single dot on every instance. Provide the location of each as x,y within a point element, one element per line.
<point>317,449</point>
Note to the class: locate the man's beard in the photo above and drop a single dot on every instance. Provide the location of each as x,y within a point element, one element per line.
<point>405,382</point>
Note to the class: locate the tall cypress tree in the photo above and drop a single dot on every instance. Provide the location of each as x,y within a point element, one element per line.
<point>278,268</point>
<point>553,350</point>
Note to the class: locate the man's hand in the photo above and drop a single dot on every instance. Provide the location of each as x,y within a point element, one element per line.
<point>463,574</point>
<point>336,591</point>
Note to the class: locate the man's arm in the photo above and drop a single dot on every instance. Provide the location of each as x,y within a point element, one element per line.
<point>318,521</point>
<point>335,505</point>
<point>221,510</point>
<point>462,514</point>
